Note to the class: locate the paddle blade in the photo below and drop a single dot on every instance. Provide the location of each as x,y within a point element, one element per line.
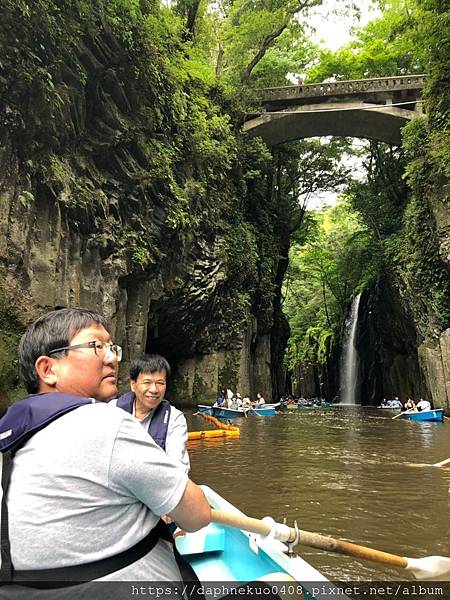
<point>443,463</point>
<point>431,568</point>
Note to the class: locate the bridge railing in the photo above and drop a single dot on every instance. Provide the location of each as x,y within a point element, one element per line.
<point>352,86</point>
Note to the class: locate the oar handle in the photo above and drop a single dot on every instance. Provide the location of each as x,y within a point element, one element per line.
<point>314,540</point>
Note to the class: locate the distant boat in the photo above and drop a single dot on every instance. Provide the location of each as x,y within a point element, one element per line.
<point>236,413</point>
<point>424,415</point>
<point>314,405</point>
<point>225,554</point>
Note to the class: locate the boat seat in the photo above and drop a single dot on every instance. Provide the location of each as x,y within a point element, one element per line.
<point>209,539</point>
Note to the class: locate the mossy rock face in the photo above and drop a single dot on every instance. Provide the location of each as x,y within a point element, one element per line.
<point>228,374</point>
<point>143,173</point>
<point>199,389</point>
<point>10,388</point>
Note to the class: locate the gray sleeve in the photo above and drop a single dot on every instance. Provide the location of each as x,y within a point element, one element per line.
<point>177,436</point>
<point>140,469</point>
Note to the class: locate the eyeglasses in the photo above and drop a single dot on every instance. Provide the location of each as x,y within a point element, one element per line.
<point>101,349</point>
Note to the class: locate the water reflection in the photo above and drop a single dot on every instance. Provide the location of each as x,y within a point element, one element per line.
<point>342,472</point>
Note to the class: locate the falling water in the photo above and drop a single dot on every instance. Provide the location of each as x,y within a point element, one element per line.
<point>349,366</point>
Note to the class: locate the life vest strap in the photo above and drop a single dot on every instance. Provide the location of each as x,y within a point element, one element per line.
<point>74,575</point>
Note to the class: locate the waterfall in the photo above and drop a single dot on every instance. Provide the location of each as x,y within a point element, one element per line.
<point>349,364</point>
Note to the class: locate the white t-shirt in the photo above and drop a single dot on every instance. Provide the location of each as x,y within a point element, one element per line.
<point>90,485</point>
<point>177,434</point>
<point>423,405</point>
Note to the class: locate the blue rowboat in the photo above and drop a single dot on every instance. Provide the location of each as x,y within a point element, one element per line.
<point>425,415</point>
<point>224,554</point>
<point>265,410</point>
<point>236,413</point>
<point>229,413</point>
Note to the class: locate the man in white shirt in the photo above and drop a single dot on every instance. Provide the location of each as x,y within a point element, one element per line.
<point>165,423</point>
<point>87,484</point>
<point>423,405</point>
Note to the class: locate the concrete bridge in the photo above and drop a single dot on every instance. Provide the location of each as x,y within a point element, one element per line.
<point>375,109</point>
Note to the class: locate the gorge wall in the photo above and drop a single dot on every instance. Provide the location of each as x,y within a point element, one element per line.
<point>120,190</point>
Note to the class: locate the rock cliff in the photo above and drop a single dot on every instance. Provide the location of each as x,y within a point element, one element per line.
<point>120,191</point>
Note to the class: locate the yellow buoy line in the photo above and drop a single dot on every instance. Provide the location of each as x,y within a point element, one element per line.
<point>221,431</point>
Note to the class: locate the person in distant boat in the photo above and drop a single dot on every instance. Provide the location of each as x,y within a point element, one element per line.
<point>87,485</point>
<point>409,405</point>
<point>423,405</point>
<point>395,403</point>
<point>165,423</point>
<point>220,401</point>
<point>259,399</point>
<point>246,402</point>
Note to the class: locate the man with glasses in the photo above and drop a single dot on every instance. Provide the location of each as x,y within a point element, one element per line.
<point>165,423</point>
<point>86,484</point>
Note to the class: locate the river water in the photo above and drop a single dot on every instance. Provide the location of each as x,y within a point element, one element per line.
<point>344,472</point>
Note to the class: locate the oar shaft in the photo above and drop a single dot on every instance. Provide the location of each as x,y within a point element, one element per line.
<point>322,542</point>
<point>314,540</point>
<point>243,522</point>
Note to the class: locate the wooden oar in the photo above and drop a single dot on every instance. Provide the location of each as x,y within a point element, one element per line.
<point>405,412</point>
<point>430,567</point>
<point>443,463</point>
<point>255,411</point>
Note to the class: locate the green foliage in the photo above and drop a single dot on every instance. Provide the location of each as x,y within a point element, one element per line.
<point>414,257</point>
<point>384,47</point>
<point>334,264</point>
<point>433,37</point>
<point>11,330</point>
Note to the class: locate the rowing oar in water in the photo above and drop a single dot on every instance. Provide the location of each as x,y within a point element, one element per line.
<point>404,412</point>
<point>443,463</point>
<point>431,567</point>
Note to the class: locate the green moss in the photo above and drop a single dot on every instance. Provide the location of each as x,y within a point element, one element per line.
<point>11,331</point>
<point>198,389</point>
<point>140,149</point>
<point>228,374</point>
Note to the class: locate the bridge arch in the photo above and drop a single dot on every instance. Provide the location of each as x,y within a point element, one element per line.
<point>375,109</point>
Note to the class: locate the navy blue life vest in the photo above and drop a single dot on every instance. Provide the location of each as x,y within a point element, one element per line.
<point>159,421</point>
<point>26,417</point>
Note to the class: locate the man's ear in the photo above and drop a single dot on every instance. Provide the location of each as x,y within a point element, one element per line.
<point>133,385</point>
<point>45,368</point>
